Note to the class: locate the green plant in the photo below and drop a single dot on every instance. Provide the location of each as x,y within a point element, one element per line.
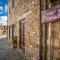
<point>14,40</point>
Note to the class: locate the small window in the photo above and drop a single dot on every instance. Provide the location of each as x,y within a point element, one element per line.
<point>9,0</point>
<point>12,3</point>
<point>55,2</point>
<point>9,10</point>
<point>13,30</point>
<point>9,31</point>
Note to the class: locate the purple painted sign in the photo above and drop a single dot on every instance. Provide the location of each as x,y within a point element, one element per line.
<point>51,14</point>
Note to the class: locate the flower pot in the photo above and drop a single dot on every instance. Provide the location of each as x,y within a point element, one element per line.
<point>14,45</point>
<point>14,42</point>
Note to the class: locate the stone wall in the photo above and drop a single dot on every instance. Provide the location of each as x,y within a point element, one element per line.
<point>30,10</point>
<point>55,35</point>
<point>32,34</point>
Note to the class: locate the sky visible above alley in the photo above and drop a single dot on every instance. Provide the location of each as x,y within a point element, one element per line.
<point>3,12</point>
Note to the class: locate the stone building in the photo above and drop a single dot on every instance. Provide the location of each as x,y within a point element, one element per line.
<point>50,43</point>
<point>24,22</point>
<point>3,30</point>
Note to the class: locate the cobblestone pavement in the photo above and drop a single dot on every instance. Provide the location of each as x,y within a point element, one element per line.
<point>9,54</point>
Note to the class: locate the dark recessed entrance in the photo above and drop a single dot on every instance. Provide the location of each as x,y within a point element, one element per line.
<point>22,35</point>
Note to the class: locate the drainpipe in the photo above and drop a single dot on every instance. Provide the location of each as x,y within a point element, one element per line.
<point>42,35</point>
<point>49,36</point>
<point>40,49</point>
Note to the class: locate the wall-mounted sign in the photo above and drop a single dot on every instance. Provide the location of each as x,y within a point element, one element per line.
<point>51,14</point>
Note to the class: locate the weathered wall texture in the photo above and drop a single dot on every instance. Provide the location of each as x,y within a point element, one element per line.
<point>55,31</point>
<point>32,34</point>
<point>28,9</point>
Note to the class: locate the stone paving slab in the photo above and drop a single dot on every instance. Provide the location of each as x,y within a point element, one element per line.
<point>14,54</point>
<point>9,54</point>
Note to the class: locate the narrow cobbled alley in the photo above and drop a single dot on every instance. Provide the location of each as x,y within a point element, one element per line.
<point>7,53</point>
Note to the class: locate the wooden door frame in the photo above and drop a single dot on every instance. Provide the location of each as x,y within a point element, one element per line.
<point>21,22</point>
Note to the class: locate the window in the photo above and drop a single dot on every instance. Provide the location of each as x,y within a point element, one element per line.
<point>9,0</point>
<point>12,3</point>
<point>56,2</point>
<point>9,31</point>
<point>45,3</point>
<point>9,10</point>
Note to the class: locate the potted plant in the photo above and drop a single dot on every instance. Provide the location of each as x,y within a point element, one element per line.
<point>14,42</point>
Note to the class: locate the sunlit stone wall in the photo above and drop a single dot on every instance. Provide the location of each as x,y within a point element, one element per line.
<point>30,10</point>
